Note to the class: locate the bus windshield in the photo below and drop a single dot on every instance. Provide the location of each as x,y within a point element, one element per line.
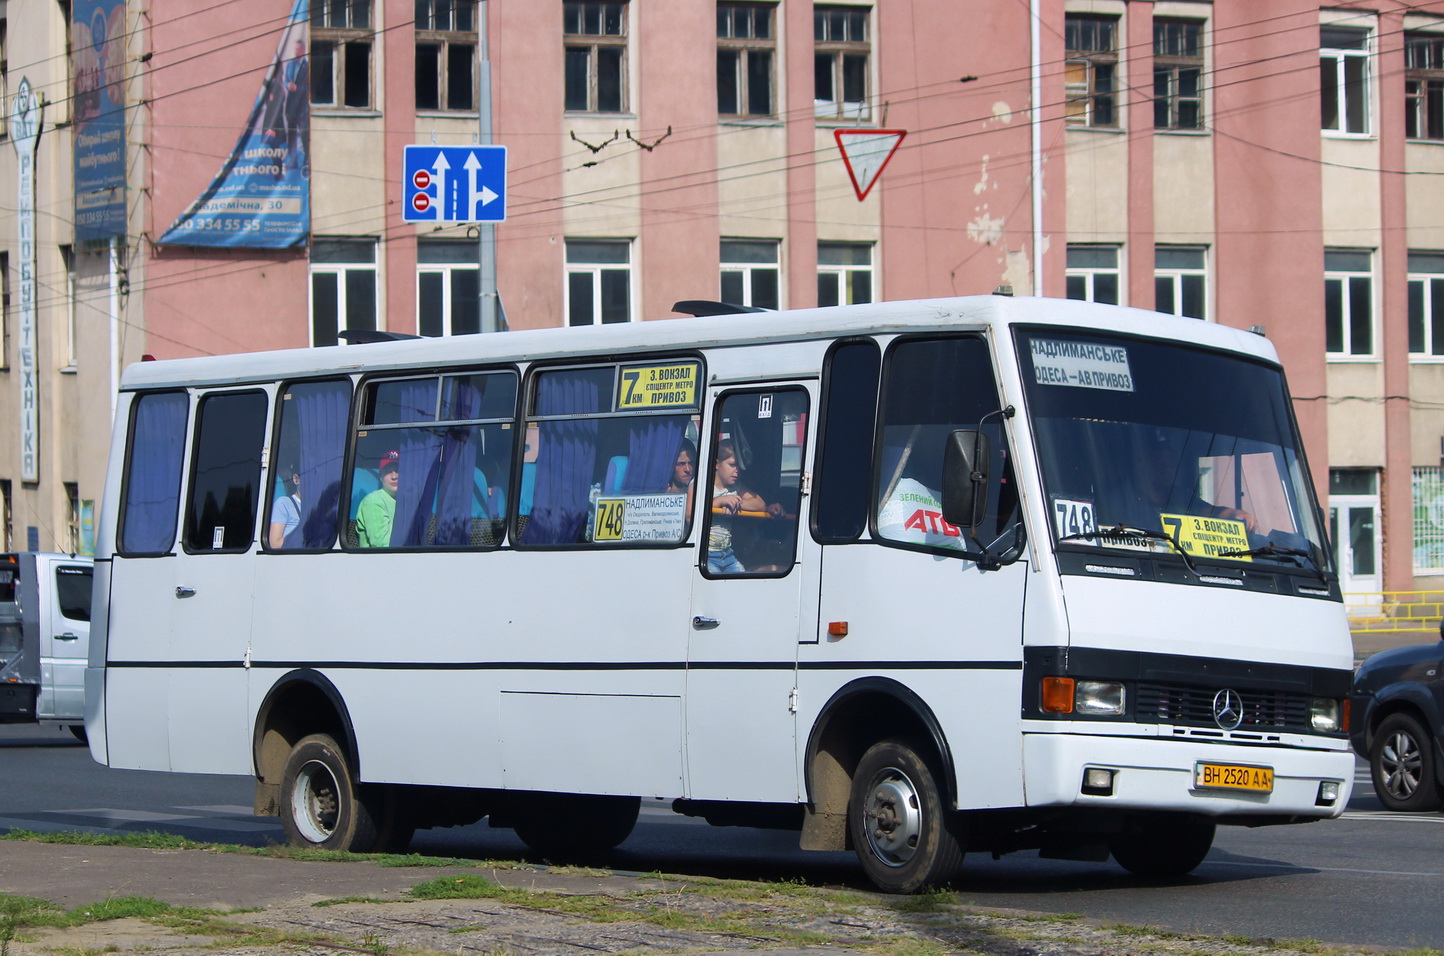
<point>1170,448</point>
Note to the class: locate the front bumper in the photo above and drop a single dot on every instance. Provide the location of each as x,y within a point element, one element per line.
<point>1154,774</point>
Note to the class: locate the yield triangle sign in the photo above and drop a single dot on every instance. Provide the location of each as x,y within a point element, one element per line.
<point>865,152</point>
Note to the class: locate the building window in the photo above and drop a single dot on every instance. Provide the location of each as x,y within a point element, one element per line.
<point>1092,274</point>
<point>1348,303</point>
<point>1180,281</point>
<point>4,73</point>
<point>1344,79</point>
<point>844,273</point>
<point>5,520</point>
<point>4,310</point>
<point>343,288</point>
<point>447,287</point>
<point>1091,75</point>
<point>1426,304</point>
<point>599,281</point>
<point>1424,85</point>
<point>1177,74</point>
<point>72,517</point>
<point>840,61</point>
<point>341,41</point>
<point>67,256</point>
<point>446,55</point>
<point>751,273</point>
<point>746,44</point>
<point>1429,520</point>
<point>596,56</point>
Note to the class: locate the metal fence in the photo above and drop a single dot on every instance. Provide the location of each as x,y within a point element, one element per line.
<point>1396,612</point>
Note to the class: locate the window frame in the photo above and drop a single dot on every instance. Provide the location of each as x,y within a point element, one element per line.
<point>838,51</point>
<point>342,269</point>
<point>1171,67</point>
<point>1431,476</point>
<point>749,272</point>
<point>1337,60</point>
<point>1426,307</point>
<point>1082,69</point>
<point>339,33</point>
<point>447,270</point>
<point>843,275</point>
<point>1424,86</point>
<point>594,44</point>
<point>1349,290</point>
<point>597,268</point>
<point>1177,276</point>
<point>1091,273</point>
<point>746,50</point>
<point>446,40</point>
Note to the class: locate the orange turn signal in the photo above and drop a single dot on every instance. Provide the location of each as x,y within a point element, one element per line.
<point>1057,697</point>
<point>837,629</point>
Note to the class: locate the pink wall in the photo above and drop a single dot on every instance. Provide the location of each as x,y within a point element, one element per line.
<point>204,76</point>
<point>965,162</point>
<point>679,179</point>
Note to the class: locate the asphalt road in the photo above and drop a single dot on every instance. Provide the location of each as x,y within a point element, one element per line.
<point>1372,877</point>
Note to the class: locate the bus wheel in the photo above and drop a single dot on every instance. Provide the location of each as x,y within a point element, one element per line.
<point>900,829</point>
<point>320,803</point>
<point>1162,846</point>
<point>565,825</point>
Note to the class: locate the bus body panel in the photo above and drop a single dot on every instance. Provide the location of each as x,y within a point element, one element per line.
<point>942,628</point>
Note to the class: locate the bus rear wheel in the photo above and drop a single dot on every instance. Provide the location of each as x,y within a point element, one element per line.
<point>1162,846</point>
<point>900,828</point>
<point>323,806</point>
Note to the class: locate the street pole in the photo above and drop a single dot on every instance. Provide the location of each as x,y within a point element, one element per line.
<point>486,231</point>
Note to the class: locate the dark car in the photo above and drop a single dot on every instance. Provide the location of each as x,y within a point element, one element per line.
<point>1398,724</point>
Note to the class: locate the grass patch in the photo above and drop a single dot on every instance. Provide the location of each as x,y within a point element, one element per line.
<point>929,900</point>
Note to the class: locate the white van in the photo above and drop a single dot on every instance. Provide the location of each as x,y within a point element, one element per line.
<point>44,638</point>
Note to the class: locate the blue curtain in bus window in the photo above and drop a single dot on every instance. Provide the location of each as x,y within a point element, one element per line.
<point>566,464</point>
<point>321,408</point>
<point>653,452</point>
<point>456,484</point>
<point>152,492</point>
<point>420,450</point>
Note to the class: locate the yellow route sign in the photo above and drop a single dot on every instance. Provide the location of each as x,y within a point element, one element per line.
<point>1207,537</point>
<point>673,385</point>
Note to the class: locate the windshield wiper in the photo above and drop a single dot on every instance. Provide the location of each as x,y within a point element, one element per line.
<point>1277,550</point>
<point>1137,534</point>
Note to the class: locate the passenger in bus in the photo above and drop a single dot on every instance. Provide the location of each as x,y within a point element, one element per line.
<point>684,471</point>
<point>378,509</point>
<point>286,511</point>
<point>729,497</point>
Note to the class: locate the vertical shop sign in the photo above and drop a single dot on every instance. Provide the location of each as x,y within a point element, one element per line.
<point>261,198</point>
<point>98,56</point>
<point>25,134</point>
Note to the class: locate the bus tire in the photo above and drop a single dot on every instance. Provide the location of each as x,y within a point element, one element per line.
<point>901,831</point>
<point>563,825</point>
<point>320,800</point>
<point>1401,760</point>
<point>1162,846</point>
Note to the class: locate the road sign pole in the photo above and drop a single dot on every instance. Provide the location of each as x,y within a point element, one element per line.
<point>486,239</point>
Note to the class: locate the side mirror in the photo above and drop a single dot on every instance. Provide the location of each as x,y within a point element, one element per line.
<point>965,478</point>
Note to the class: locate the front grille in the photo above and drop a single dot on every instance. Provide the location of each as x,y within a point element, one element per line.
<point>1182,705</point>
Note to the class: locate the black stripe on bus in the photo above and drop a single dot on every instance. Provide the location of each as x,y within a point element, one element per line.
<point>578,665</point>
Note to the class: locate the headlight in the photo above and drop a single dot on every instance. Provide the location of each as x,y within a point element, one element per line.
<point>1098,698</point>
<point>1324,715</point>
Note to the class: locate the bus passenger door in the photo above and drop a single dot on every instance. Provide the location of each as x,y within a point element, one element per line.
<point>748,598</point>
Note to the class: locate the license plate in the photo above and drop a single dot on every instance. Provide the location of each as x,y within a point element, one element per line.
<point>1223,776</point>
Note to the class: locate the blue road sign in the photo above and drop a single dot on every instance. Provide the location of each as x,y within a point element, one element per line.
<point>455,184</point>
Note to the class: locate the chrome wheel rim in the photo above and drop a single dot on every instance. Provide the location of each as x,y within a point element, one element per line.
<point>1402,765</point>
<point>892,817</point>
<point>315,802</point>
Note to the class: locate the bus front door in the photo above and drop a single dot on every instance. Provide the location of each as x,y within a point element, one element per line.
<point>755,590</point>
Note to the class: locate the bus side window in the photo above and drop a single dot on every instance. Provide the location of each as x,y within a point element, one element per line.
<point>153,462</point>
<point>226,486</point>
<point>753,482</point>
<point>844,445</point>
<point>307,464</point>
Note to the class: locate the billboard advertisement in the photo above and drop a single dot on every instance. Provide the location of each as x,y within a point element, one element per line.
<point>98,56</point>
<point>261,198</point>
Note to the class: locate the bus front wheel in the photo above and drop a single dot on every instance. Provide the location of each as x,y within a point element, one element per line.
<point>321,803</point>
<point>899,825</point>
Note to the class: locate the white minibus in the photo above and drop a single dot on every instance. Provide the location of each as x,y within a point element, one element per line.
<point>918,579</point>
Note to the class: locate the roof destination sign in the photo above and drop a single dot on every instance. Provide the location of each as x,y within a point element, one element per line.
<point>454,184</point>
